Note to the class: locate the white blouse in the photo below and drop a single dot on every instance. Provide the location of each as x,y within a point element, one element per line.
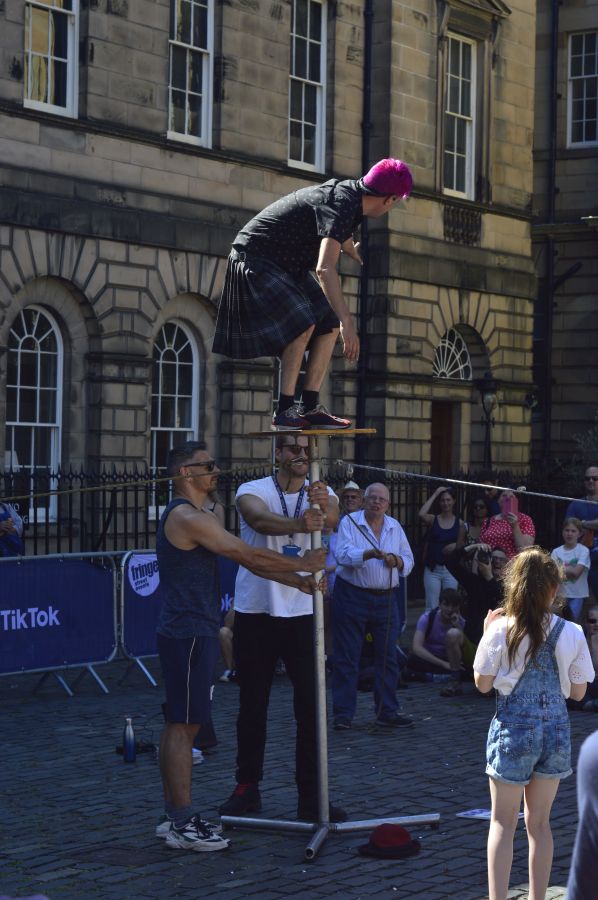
<point>572,656</point>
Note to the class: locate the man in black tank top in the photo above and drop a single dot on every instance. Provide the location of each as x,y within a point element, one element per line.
<point>187,544</point>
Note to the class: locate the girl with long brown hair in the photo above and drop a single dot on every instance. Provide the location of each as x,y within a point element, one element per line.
<point>534,660</point>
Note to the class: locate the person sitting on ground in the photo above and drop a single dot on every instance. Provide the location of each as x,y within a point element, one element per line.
<point>589,703</point>
<point>575,561</point>
<point>484,588</point>
<point>225,637</point>
<point>445,531</point>
<point>510,529</point>
<point>437,647</point>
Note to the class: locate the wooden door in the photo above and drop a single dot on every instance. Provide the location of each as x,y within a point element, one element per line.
<point>441,450</point>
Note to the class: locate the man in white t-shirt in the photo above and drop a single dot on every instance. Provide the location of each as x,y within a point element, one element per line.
<point>274,621</point>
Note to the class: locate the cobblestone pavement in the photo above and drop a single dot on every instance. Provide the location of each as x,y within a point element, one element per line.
<point>78,823</point>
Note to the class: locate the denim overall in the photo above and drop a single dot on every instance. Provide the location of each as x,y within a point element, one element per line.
<point>530,733</point>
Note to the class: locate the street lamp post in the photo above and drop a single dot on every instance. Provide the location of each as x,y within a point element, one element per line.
<point>488,387</point>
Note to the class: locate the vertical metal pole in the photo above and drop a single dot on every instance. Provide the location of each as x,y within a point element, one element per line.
<point>320,668</point>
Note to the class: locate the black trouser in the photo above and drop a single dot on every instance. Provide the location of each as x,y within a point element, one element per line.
<point>258,641</point>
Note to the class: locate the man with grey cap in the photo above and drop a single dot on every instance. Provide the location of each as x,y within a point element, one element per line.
<point>272,306</point>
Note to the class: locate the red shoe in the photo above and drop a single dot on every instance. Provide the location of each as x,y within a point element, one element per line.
<point>319,417</point>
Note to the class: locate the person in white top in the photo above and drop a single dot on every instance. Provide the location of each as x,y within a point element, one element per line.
<point>575,560</point>
<point>273,621</point>
<point>373,553</point>
<point>534,660</point>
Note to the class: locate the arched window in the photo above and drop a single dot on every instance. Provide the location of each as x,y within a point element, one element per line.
<point>452,359</point>
<point>175,391</point>
<point>34,397</point>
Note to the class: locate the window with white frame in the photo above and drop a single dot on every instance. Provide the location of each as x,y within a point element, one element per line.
<point>51,55</point>
<point>307,84</point>
<point>459,117</point>
<point>191,68</point>
<point>583,89</point>
<point>175,394</point>
<point>35,360</point>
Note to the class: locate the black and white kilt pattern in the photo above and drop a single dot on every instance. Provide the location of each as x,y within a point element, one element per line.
<point>263,308</point>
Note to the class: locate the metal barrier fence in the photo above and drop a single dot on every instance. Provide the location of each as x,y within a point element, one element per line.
<point>77,611</point>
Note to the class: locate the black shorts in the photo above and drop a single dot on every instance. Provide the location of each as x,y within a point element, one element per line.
<point>188,670</point>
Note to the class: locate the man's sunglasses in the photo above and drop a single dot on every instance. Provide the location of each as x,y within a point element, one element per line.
<point>209,466</point>
<point>297,449</point>
<point>591,477</point>
<point>592,621</point>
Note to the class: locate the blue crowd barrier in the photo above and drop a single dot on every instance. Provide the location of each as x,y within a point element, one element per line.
<point>56,612</point>
<point>140,600</point>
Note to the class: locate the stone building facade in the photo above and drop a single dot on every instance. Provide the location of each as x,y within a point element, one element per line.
<point>565,228</point>
<point>137,136</point>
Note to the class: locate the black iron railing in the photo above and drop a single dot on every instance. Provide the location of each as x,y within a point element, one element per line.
<point>76,511</point>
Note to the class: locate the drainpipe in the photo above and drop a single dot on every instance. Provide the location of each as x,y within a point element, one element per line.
<point>548,298</point>
<point>368,15</point>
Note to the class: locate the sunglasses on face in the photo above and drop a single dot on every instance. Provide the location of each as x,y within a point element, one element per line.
<point>209,466</point>
<point>592,621</point>
<point>591,477</point>
<point>297,449</point>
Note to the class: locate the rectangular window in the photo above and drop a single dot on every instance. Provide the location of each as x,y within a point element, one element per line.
<point>51,64</point>
<point>307,84</point>
<point>34,371</point>
<point>191,67</point>
<point>583,89</point>
<point>459,118</point>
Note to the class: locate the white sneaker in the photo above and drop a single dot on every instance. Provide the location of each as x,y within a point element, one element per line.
<point>165,824</point>
<point>196,835</point>
<point>163,827</point>
<point>197,756</point>
<point>227,675</point>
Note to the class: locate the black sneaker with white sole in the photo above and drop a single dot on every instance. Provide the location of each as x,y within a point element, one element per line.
<point>196,835</point>
<point>319,417</point>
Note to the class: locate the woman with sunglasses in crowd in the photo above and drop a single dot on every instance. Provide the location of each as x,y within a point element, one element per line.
<point>477,513</point>
<point>534,660</point>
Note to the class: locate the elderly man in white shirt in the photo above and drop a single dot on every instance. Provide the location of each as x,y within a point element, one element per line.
<point>372,552</point>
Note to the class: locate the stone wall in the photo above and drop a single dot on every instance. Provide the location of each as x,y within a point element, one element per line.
<point>118,228</point>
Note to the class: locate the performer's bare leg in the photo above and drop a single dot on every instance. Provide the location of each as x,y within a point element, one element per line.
<point>291,360</point>
<point>320,354</point>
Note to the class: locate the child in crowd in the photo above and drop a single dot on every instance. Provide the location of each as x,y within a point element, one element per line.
<point>534,660</point>
<point>575,560</point>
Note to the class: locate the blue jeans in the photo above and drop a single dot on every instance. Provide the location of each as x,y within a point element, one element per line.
<point>435,581</point>
<point>355,611</point>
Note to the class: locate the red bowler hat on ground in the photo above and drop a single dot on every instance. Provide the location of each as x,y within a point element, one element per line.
<point>390,842</point>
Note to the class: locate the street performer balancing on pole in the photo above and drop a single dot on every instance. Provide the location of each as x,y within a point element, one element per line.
<point>271,305</point>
